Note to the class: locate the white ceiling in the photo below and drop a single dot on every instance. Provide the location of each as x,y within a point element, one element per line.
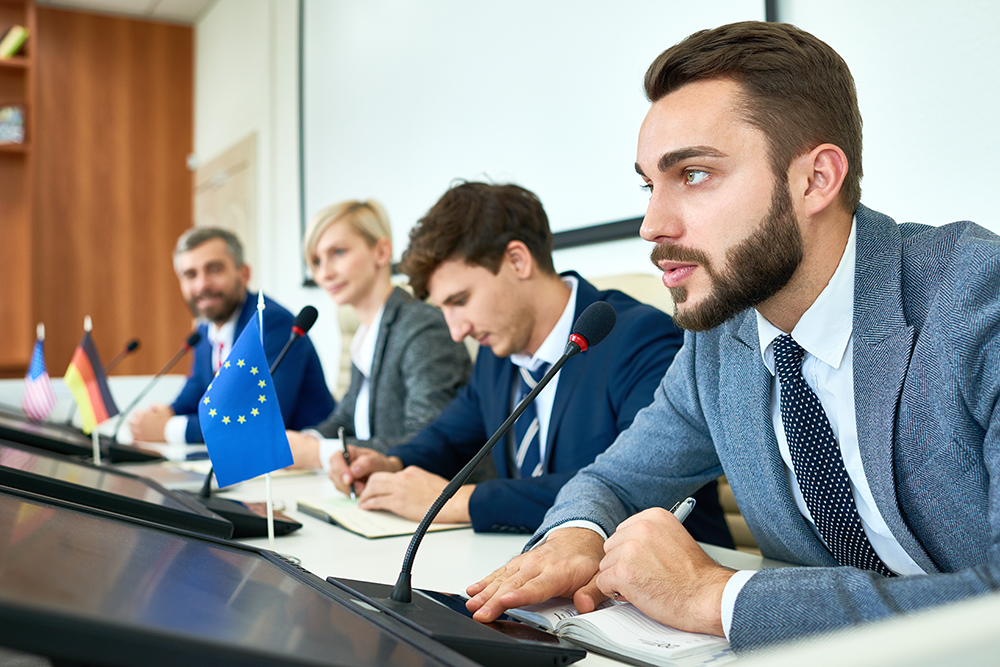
<point>174,11</point>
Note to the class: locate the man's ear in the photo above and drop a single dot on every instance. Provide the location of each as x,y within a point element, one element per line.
<point>245,274</point>
<point>520,259</point>
<point>817,176</point>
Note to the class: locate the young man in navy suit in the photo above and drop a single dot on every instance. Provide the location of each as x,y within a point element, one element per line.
<point>843,370</point>
<point>213,279</point>
<point>483,253</point>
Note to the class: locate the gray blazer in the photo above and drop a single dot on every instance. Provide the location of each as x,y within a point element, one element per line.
<point>416,371</point>
<point>926,371</point>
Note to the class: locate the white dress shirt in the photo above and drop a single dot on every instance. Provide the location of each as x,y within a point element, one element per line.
<point>221,339</point>
<point>825,331</point>
<point>548,353</point>
<point>363,357</point>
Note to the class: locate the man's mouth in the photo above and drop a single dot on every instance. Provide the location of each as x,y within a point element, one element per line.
<point>674,273</point>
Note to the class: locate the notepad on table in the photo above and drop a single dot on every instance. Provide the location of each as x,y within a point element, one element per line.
<point>368,523</point>
<point>619,630</point>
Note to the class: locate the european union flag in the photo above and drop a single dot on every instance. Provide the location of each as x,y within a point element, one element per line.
<point>240,417</point>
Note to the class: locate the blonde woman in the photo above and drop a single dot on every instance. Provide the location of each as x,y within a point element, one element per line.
<point>405,366</point>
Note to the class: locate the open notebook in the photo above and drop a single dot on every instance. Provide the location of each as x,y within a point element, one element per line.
<point>621,631</point>
<point>371,524</point>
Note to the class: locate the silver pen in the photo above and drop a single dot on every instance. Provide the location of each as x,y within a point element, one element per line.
<point>682,509</point>
<point>347,457</point>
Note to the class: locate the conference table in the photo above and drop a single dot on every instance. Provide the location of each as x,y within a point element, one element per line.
<point>447,561</point>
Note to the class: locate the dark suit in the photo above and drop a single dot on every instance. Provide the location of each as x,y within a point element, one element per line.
<point>598,394</point>
<point>302,393</point>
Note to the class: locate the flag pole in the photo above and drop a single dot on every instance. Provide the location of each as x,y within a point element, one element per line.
<point>40,332</point>
<point>267,476</point>
<point>95,438</point>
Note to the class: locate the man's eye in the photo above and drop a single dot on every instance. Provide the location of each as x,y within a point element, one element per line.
<point>648,187</point>
<point>694,176</point>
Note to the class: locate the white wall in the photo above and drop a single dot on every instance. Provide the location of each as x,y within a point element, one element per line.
<point>246,80</point>
<point>927,81</point>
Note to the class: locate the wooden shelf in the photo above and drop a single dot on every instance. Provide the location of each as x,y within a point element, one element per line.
<point>19,62</point>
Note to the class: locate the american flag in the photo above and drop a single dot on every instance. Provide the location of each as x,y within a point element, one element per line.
<point>38,400</point>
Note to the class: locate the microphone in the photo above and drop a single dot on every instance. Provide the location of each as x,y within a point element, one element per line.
<point>129,348</point>
<point>191,341</point>
<point>300,327</point>
<point>593,325</point>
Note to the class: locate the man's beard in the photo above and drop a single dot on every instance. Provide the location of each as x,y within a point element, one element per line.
<point>757,267</point>
<point>221,313</point>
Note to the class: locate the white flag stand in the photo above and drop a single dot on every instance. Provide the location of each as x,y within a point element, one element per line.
<point>267,476</point>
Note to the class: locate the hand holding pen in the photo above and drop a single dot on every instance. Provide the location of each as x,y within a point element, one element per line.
<point>347,457</point>
<point>652,548</point>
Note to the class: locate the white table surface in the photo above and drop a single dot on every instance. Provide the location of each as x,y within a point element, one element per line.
<point>447,561</point>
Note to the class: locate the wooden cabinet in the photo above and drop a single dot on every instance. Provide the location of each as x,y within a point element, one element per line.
<point>17,87</point>
<point>94,200</point>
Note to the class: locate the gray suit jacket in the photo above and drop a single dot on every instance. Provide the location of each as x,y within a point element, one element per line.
<point>417,370</point>
<point>926,369</point>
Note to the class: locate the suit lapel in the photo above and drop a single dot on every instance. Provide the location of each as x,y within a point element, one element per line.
<point>755,470</point>
<point>499,408</point>
<point>571,374</point>
<point>246,312</point>
<point>883,345</point>
<point>389,314</point>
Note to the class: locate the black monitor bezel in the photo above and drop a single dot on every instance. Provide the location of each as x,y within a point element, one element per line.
<point>85,640</point>
<point>198,518</point>
<point>66,439</point>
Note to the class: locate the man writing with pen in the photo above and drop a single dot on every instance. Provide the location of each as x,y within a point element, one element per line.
<point>840,368</point>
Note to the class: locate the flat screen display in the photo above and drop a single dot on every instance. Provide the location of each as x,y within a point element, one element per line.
<point>92,477</point>
<point>128,591</point>
<point>105,488</point>
<point>64,439</point>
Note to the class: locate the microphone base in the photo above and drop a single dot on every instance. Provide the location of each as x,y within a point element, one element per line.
<point>497,644</point>
<point>246,522</point>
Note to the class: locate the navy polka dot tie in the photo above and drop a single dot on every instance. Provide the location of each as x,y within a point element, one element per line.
<point>527,447</point>
<point>819,465</point>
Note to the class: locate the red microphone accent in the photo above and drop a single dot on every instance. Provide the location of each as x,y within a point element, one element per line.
<point>579,340</point>
<point>298,331</point>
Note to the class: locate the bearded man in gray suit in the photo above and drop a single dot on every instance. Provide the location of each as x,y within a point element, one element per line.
<point>839,368</point>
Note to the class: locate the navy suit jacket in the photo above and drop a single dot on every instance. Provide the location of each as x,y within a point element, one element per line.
<point>926,393</point>
<point>598,394</point>
<point>299,383</point>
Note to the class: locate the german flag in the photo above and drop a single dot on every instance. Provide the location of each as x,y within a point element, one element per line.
<point>86,379</point>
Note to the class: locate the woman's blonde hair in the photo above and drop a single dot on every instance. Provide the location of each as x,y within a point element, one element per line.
<point>367,218</point>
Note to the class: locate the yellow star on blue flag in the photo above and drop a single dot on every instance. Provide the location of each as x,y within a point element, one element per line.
<point>240,417</point>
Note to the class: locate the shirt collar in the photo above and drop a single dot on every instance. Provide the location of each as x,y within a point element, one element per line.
<point>824,330</point>
<point>552,347</point>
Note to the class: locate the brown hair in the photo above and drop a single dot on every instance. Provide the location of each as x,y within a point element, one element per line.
<point>798,91</point>
<point>475,222</point>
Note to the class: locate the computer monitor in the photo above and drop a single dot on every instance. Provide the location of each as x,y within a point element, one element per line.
<point>105,488</point>
<point>65,439</point>
<point>88,587</point>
